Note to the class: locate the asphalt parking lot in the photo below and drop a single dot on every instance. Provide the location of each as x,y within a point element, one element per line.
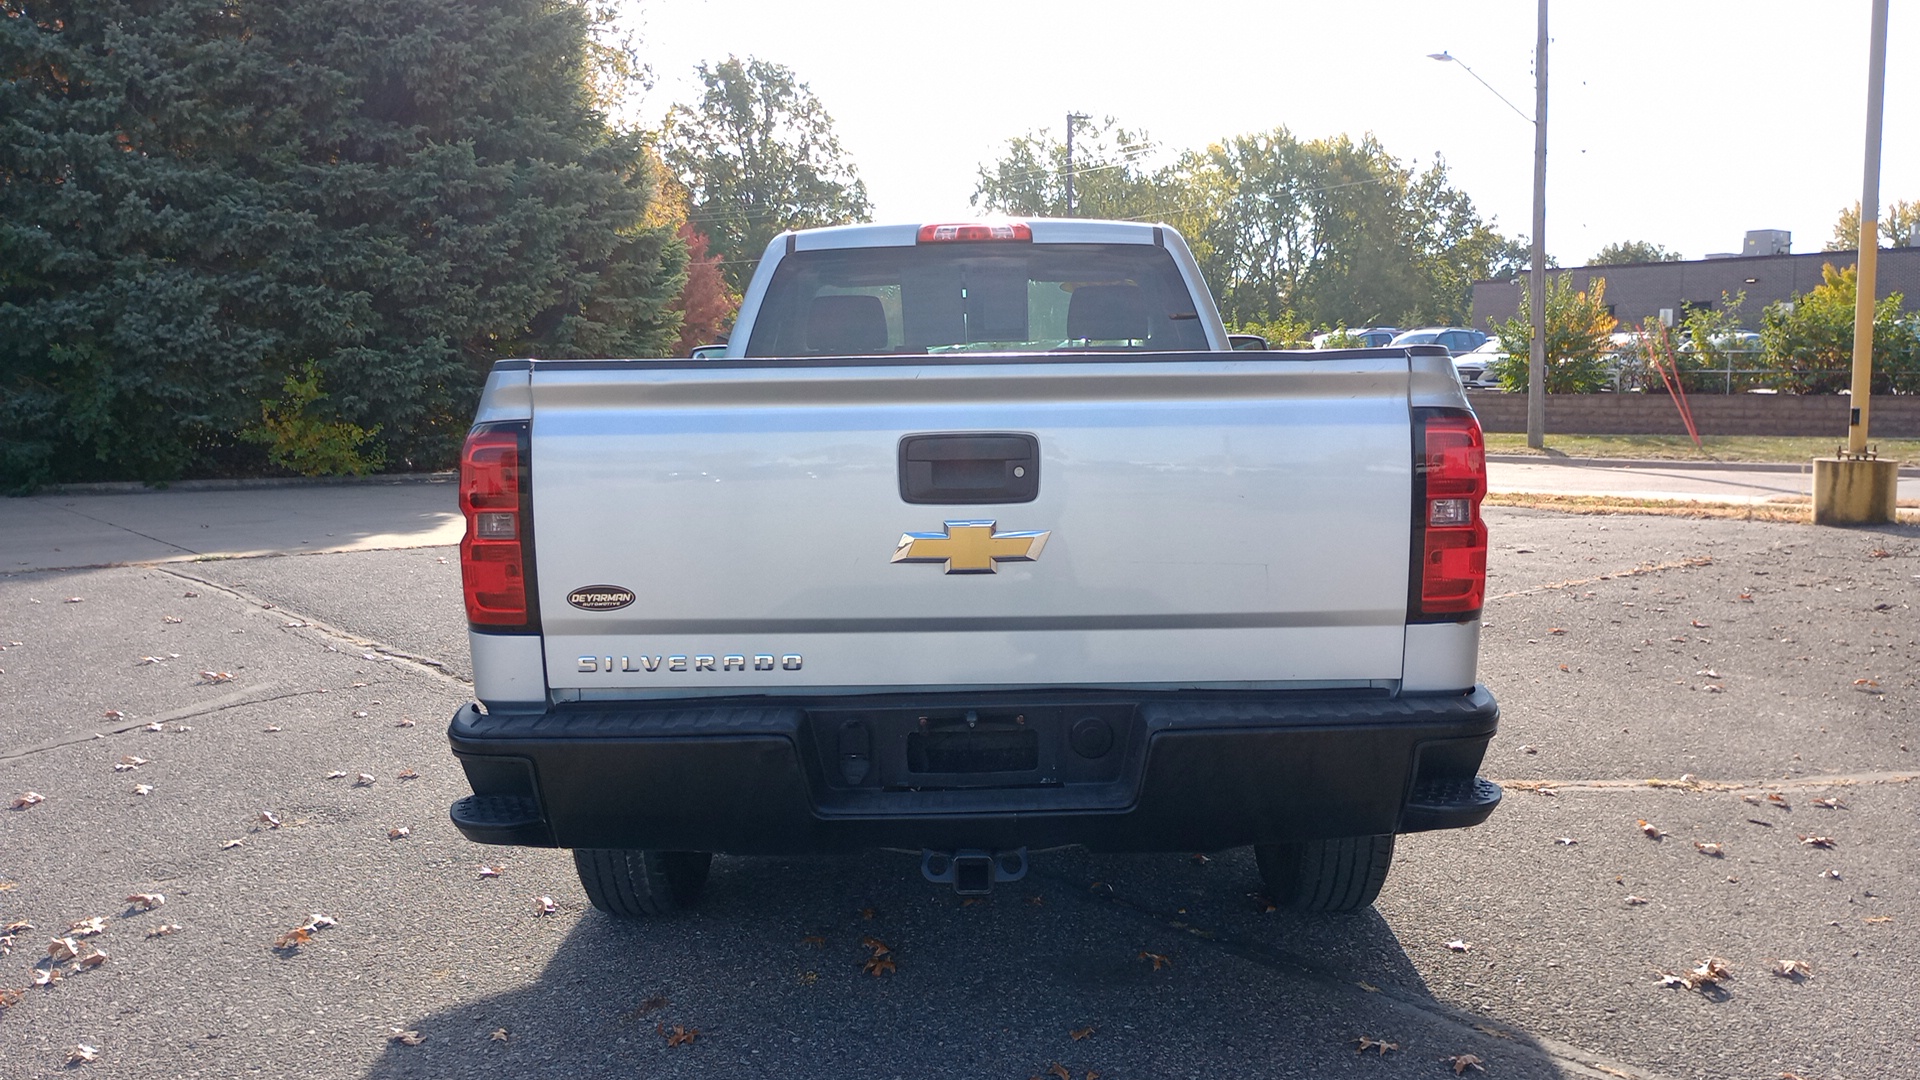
<point>1715,679</point>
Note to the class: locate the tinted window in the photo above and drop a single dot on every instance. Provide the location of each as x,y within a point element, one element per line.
<point>935,298</point>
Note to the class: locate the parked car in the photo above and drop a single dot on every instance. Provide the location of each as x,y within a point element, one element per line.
<point>1364,337</point>
<point>1457,339</point>
<point>1477,369</point>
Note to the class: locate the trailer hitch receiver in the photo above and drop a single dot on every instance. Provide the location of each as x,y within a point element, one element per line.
<point>972,872</point>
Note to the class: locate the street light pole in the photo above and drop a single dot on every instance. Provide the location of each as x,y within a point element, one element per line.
<point>1537,273</point>
<point>1537,276</point>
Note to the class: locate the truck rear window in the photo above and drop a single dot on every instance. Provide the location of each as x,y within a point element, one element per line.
<point>990,297</point>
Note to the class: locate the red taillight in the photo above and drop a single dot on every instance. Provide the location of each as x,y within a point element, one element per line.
<point>1003,230</point>
<point>493,553</point>
<point>1453,554</point>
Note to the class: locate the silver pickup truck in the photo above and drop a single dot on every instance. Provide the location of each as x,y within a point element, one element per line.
<point>979,541</point>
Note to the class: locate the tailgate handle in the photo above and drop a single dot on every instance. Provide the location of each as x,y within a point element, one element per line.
<point>970,467</point>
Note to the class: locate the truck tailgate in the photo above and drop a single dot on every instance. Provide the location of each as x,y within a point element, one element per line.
<point>1211,520</point>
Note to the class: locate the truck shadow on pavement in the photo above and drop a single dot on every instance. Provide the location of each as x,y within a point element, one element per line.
<point>1108,966</point>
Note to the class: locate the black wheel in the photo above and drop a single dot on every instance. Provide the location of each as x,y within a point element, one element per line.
<point>1325,875</point>
<point>638,884</point>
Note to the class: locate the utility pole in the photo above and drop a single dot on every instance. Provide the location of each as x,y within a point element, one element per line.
<point>1072,118</point>
<point>1537,277</point>
<point>1854,487</point>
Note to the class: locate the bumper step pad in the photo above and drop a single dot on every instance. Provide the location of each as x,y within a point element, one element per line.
<point>1450,804</point>
<point>501,819</point>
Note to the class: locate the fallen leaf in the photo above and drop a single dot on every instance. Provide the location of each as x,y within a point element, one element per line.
<point>1817,841</point>
<point>1556,629</point>
<point>1698,625</point>
<point>544,905</point>
<point>1077,1034</point>
<point>1060,1071</point>
<point>293,938</point>
<point>1707,672</point>
<point>1462,1062</point>
<point>406,774</point>
<point>681,1035</point>
<point>63,948</point>
<point>1457,945</point>
<point>878,965</point>
<point>1651,829</point>
<point>360,714</point>
<point>1792,969</point>
<point>210,678</point>
<point>143,789</point>
<point>163,930</point>
<point>75,599</point>
<point>145,660</point>
<point>46,976</point>
<point>499,1035</point>
<point>490,871</point>
<point>1706,848</point>
<point>270,819</point>
<point>1635,901</point>
<point>147,901</point>
<point>156,726</point>
<point>16,926</point>
<point>1565,841</point>
<point>1201,859</point>
<point>363,780</point>
<point>171,619</point>
<point>81,1053</point>
<point>406,1038</point>
<point>399,832</point>
<point>31,798</point>
<point>1364,1044</point>
<point>231,844</point>
<point>814,940</point>
<point>1830,875</point>
<point>113,714</point>
<point>271,728</point>
<point>9,998</point>
<point>1564,667</point>
<point>87,928</point>
<point>1871,919</point>
<point>336,775</point>
<point>879,947</point>
<point>405,721</point>
<point>1159,960</point>
<point>93,959</point>
<point>1829,804</point>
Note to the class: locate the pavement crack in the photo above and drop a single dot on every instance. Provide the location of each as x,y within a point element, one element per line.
<point>1572,1061</point>
<point>123,528</point>
<point>399,657</point>
<point>1637,571</point>
<point>238,699</point>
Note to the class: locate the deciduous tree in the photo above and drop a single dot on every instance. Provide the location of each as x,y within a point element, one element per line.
<point>759,155</point>
<point>1579,336</point>
<point>1632,251</point>
<point>1896,226</point>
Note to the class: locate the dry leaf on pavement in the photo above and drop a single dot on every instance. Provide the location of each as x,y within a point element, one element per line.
<point>499,1035</point>
<point>293,938</point>
<point>231,844</point>
<point>1457,945</point>
<point>31,798</point>
<point>399,832</point>
<point>88,927</point>
<point>147,900</point>
<point>1829,804</point>
<point>1651,829</point>
<point>544,905</point>
<point>64,948</point>
<point>405,1038</point>
<point>363,780</point>
<point>1159,960</point>
<point>143,789</point>
<point>1363,1044</point>
<point>9,998</point>
<point>406,774</point>
<point>1817,841</point>
<point>82,1053</point>
<point>681,1035</point>
<point>1635,901</point>
<point>270,819</point>
<point>1081,1033</point>
<point>209,678</point>
<point>1462,1062</point>
<point>1792,969</point>
<point>163,930</point>
<point>1706,848</point>
<point>490,871</point>
<point>336,775</point>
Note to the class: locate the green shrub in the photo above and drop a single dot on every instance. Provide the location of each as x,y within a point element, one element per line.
<point>299,441</point>
<point>1579,337</point>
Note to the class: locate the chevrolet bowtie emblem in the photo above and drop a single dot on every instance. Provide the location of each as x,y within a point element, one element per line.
<point>970,547</point>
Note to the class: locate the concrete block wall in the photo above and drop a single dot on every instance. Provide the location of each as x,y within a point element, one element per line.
<point>1713,414</point>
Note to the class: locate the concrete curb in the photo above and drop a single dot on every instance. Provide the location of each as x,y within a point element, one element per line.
<point>1656,463</point>
<point>126,487</point>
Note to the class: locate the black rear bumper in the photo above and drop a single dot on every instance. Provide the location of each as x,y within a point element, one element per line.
<point>1172,772</point>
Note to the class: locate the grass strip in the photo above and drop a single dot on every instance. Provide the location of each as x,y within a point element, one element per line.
<point>1788,511</point>
<point>1770,449</point>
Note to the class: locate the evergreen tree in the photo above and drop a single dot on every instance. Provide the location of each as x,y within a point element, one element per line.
<point>200,199</point>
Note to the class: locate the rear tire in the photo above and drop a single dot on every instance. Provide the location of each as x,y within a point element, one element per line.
<point>1326,875</point>
<point>631,884</point>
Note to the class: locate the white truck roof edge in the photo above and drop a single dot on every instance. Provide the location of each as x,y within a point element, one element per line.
<point>1045,231</point>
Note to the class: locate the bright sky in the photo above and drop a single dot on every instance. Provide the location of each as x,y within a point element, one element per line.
<point>1681,122</point>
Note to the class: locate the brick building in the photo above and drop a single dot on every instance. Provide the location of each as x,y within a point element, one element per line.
<point>1637,290</point>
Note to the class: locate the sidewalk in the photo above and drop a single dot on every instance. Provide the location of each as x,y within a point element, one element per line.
<point>74,529</point>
